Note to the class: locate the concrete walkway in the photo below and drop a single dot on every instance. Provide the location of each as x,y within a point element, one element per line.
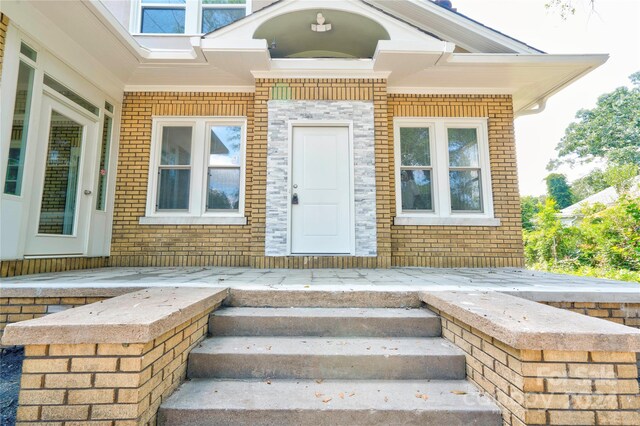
<point>511,280</point>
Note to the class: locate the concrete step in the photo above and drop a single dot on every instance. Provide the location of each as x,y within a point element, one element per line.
<point>337,322</point>
<point>306,402</point>
<point>364,358</point>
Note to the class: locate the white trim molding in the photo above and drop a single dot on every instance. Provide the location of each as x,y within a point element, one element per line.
<point>441,212</point>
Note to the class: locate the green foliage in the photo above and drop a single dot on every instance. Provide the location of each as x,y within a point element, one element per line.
<point>605,242</point>
<point>559,190</point>
<point>610,131</point>
<point>549,242</point>
<point>620,177</point>
<point>530,206</point>
<point>588,185</point>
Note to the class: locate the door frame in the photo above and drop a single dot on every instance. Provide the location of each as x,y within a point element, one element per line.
<point>292,124</point>
<point>51,100</point>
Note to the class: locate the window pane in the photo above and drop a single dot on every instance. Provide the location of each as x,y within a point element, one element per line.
<point>224,1</point>
<point>176,146</point>
<point>108,107</point>
<point>414,146</point>
<point>163,20</point>
<point>19,130</point>
<point>416,189</point>
<point>61,176</point>
<point>463,148</point>
<point>223,189</point>
<point>28,52</point>
<point>213,18</point>
<point>70,94</point>
<point>104,164</point>
<point>173,189</point>
<point>465,190</point>
<point>225,146</point>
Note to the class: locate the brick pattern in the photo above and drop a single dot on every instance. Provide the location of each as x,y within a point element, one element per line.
<point>12,268</point>
<point>549,387</point>
<point>115,384</point>
<point>4,24</point>
<point>171,245</point>
<point>14,309</point>
<point>463,246</point>
<point>64,137</point>
<point>622,313</point>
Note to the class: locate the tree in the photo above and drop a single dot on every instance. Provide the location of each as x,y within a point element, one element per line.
<point>565,7</point>
<point>610,131</point>
<point>558,189</point>
<point>588,185</point>
<point>530,206</point>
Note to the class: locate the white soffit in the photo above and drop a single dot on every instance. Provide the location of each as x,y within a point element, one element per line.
<point>531,79</point>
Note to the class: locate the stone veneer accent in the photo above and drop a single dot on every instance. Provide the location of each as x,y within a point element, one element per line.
<point>277,200</point>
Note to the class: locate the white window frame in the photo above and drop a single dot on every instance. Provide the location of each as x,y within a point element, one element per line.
<point>192,19</point>
<point>442,213</point>
<point>197,212</point>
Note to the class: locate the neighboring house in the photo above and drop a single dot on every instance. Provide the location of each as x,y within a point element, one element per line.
<point>293,133</point>
<point>607,196</point>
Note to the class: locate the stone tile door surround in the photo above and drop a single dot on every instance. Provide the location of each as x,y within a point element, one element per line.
<point>282,114</point>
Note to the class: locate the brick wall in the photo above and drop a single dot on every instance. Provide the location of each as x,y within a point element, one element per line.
<point>622,313</point>
<point>109,383</point>
<point>12,268</point>
<point>4,23</point>
<point>462,246</point>
<point>14,309</point>
<point>549,387</point>
<point>171,245</point>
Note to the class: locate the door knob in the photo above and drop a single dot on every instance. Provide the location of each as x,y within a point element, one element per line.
<point>87,192</point>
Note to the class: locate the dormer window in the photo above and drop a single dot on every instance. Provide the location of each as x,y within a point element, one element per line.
<point>218,13</point>
<point>186,16</point>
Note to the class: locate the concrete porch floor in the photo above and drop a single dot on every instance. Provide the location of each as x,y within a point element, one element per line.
<point>526,283</point>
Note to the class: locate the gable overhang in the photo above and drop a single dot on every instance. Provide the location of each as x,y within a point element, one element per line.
<point>419,57</point>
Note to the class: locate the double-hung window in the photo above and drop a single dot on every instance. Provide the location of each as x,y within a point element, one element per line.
<point>185,16</point>
<point>197,171</point>
<point>442,172</point>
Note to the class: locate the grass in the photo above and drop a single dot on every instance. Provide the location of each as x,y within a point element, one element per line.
<point>589,271</point>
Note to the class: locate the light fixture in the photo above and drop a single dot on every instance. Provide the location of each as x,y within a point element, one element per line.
<point>320,27</point>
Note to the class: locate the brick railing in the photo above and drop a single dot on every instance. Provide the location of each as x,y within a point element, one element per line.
<point>558,380</point>
<point>118,368</point>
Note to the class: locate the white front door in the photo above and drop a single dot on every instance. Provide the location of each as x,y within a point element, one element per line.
<point>62,193</point>
<point>321,191</point>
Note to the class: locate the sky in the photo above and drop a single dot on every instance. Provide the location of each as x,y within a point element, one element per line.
<point>613,28</point>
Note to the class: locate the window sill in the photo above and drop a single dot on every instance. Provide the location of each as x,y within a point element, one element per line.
<point>445,221</point>
<point>192,220</point>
